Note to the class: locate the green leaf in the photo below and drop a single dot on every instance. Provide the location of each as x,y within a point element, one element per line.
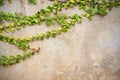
<point>48,18</point>
<point>11,57</point>
<point>18,23</point>
<point>22,38</point>
<point>47,23</point>
<point>42,11</point>
<point>59,30</point>
<point>36,20</point>
<point>54,11</point>
<point>12,29</point>
<point>12,24</point>
<point>33,38</point>
<point>10,62</point>
<point>42,35</point>
<point>9,40</point>
<point>32,1</point>
<point>68,26</point>
<point>59,8</point>
<point>1,37</point>
<point>110,8</point>
<point>18,57</point>
<point>24,56</point>
<point>72,1</point>
<point>55,2</point>
<point>15,38</point>
<point>28,38</point>
<point>73,21</point>
<point>65,16</point>
<point>39,21</point>
<point>18,27</point>
<point>1,27</point>
<point>69,22</point>
<point>65,6</point>
<point>94,11</point>
<point>4,39</point>
<point>29,53</point>
<point>4,58</point>
<point>72,5</point>
<point>54,32</point>
<point>42,17</point>
<point>37,36</point>
<point>79,20</point>
<point>14,41</point>
<point>64,29</point>
<point>48,33</point>
<point>1,3</point>
<point>1,62</point>
<point>0,32</point>
<point>7,30</point>
<point>53,21</point>
<point>87,15</point>
<point>48,9</point>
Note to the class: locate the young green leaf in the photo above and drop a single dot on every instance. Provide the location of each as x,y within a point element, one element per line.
<point>54,32</point>
<point>64,29</point>
<point>22,38</point>
<point>42,35</point>
<point>12,29</point>
<point>7,30</point>
<point>11,57</point>
<point>4,58</point>
<point>54,11</point>
<point>59,30</point>
<point>48,33</point>
<point>55,3</point>
<point>18,57</point>
<point>24,56</point>
<point>1,62</point>
<point>32,1</point>
<point>18,27</point>
<point>29,53</point>
<point>1,3</point>
<point>1,37</point>
<point>10,62</point>
<point>28,38</point>
<point>37,36</point>
<point>42,17</point>
<point>72,1</point>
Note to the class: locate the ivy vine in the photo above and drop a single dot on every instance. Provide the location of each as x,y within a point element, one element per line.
<point>10,1</point>
<point>15,21</point>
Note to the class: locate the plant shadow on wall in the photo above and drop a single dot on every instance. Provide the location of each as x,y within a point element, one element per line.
<point>15,21</point>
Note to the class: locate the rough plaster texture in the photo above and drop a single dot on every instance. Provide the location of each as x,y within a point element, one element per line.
<point>88,51</point>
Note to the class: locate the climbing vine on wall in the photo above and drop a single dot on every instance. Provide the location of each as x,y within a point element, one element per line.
<point>15,21</point>
<point>10,1</point>
<point>1,3</point>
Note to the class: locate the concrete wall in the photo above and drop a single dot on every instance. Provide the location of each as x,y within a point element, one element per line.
<point>88,51</point>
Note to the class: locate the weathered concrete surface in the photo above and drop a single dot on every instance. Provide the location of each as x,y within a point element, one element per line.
<point>88,51</point>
